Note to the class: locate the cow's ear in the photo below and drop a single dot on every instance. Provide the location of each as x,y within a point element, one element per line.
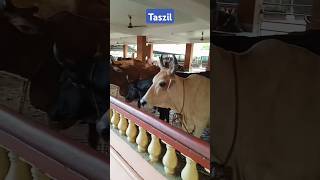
<point>172,68</point>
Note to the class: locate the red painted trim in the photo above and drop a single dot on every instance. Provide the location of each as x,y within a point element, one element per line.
<point>195,148</point>
<point>49,151</point>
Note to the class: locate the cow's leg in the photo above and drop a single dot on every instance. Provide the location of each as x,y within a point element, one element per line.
<point>167,114</point>
<point>103,126</point>
<point>93,136</point>
<point>162,113</point>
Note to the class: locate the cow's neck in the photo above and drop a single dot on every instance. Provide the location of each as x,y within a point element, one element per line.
<point>181,102</point>
<point>177,103</point>
<point>224,105</point>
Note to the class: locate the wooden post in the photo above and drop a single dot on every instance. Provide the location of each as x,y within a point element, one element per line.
<point>315,19</point>
<point>249,15</point>
<point>125,50</point>
<point>141,48</point>
<point>150,53</point>
<point>188,56</point>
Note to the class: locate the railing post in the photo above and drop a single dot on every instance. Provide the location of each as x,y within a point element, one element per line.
<point>122,125</point>
<point>170,160</point>
<point>131,132</point>
<point>154,148</point>
<point>142,140</point>
<point>115,118</point>
<point>37,174</point>
<point>189,171</point>
<point>18,170</point>
<point>4,163</point>
<point>109,111</point>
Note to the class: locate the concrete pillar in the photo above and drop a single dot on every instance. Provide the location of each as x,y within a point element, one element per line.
<point>125,50</point>
<point>141,48</point>
<point>150,53</point>
<point>315,19</point>
<point>188,56</point>
<point>249,14</point>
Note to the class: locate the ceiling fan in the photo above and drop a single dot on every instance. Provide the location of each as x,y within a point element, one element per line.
<point>130,23</point>
<point>201,39</point>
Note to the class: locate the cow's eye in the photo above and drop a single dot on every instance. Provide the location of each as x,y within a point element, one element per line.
<point>162,84</point>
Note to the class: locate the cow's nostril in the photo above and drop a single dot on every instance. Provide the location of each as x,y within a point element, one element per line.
<point>143,102</point>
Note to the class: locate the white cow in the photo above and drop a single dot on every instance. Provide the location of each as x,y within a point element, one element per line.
<point>188,96</point>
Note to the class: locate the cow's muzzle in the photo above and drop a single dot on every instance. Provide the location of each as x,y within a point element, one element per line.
<point>143,102</point>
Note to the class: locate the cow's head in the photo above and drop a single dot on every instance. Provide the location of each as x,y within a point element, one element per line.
<point>81,94</point>
<point>166,88</point>
<point>137,90</point>
<point>118,77</point>
<point>133,92</point>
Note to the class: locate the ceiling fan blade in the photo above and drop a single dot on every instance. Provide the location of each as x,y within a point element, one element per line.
<point>140,26</point>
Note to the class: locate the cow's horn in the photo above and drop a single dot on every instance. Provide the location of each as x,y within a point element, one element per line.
<point>175,60</point>
<point>173,65</point>
<point>161,62</point>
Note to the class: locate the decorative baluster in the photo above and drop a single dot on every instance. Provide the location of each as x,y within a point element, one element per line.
<point>170,160</point>
<point>142,140</point>
<point>18,170</point>
<point>115,119</point>
<point>37,174</point>
<point>122,125</point>
<point>131,132</point>
<point>109,111</point>
<point>4,163</point>
<point>154,148</point>
<point>189,171</point>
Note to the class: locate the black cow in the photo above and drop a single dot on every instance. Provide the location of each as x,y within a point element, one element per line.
<point>70,83</point>
<point>103,126</point>
<point>138,89</point>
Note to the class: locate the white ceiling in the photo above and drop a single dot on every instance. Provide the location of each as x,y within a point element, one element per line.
<point>191,18</point>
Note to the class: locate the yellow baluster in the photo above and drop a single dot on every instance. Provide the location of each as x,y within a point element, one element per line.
<point>115,119</point>
<point>170,160</point>
<point>122,125</point>
<point>4,163</point>
<point>18,170</point>
<point>154,148</point>
<point>109,111</point>
<point>142,140</point>
<point>37,174</point>
<point>189,171</point>
<point>131,132</point>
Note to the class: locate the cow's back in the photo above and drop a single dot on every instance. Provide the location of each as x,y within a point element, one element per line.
<point>278,111</point>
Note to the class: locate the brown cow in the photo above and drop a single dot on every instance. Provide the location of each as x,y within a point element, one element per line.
<point>266,102</point>
<point>124,72</point>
